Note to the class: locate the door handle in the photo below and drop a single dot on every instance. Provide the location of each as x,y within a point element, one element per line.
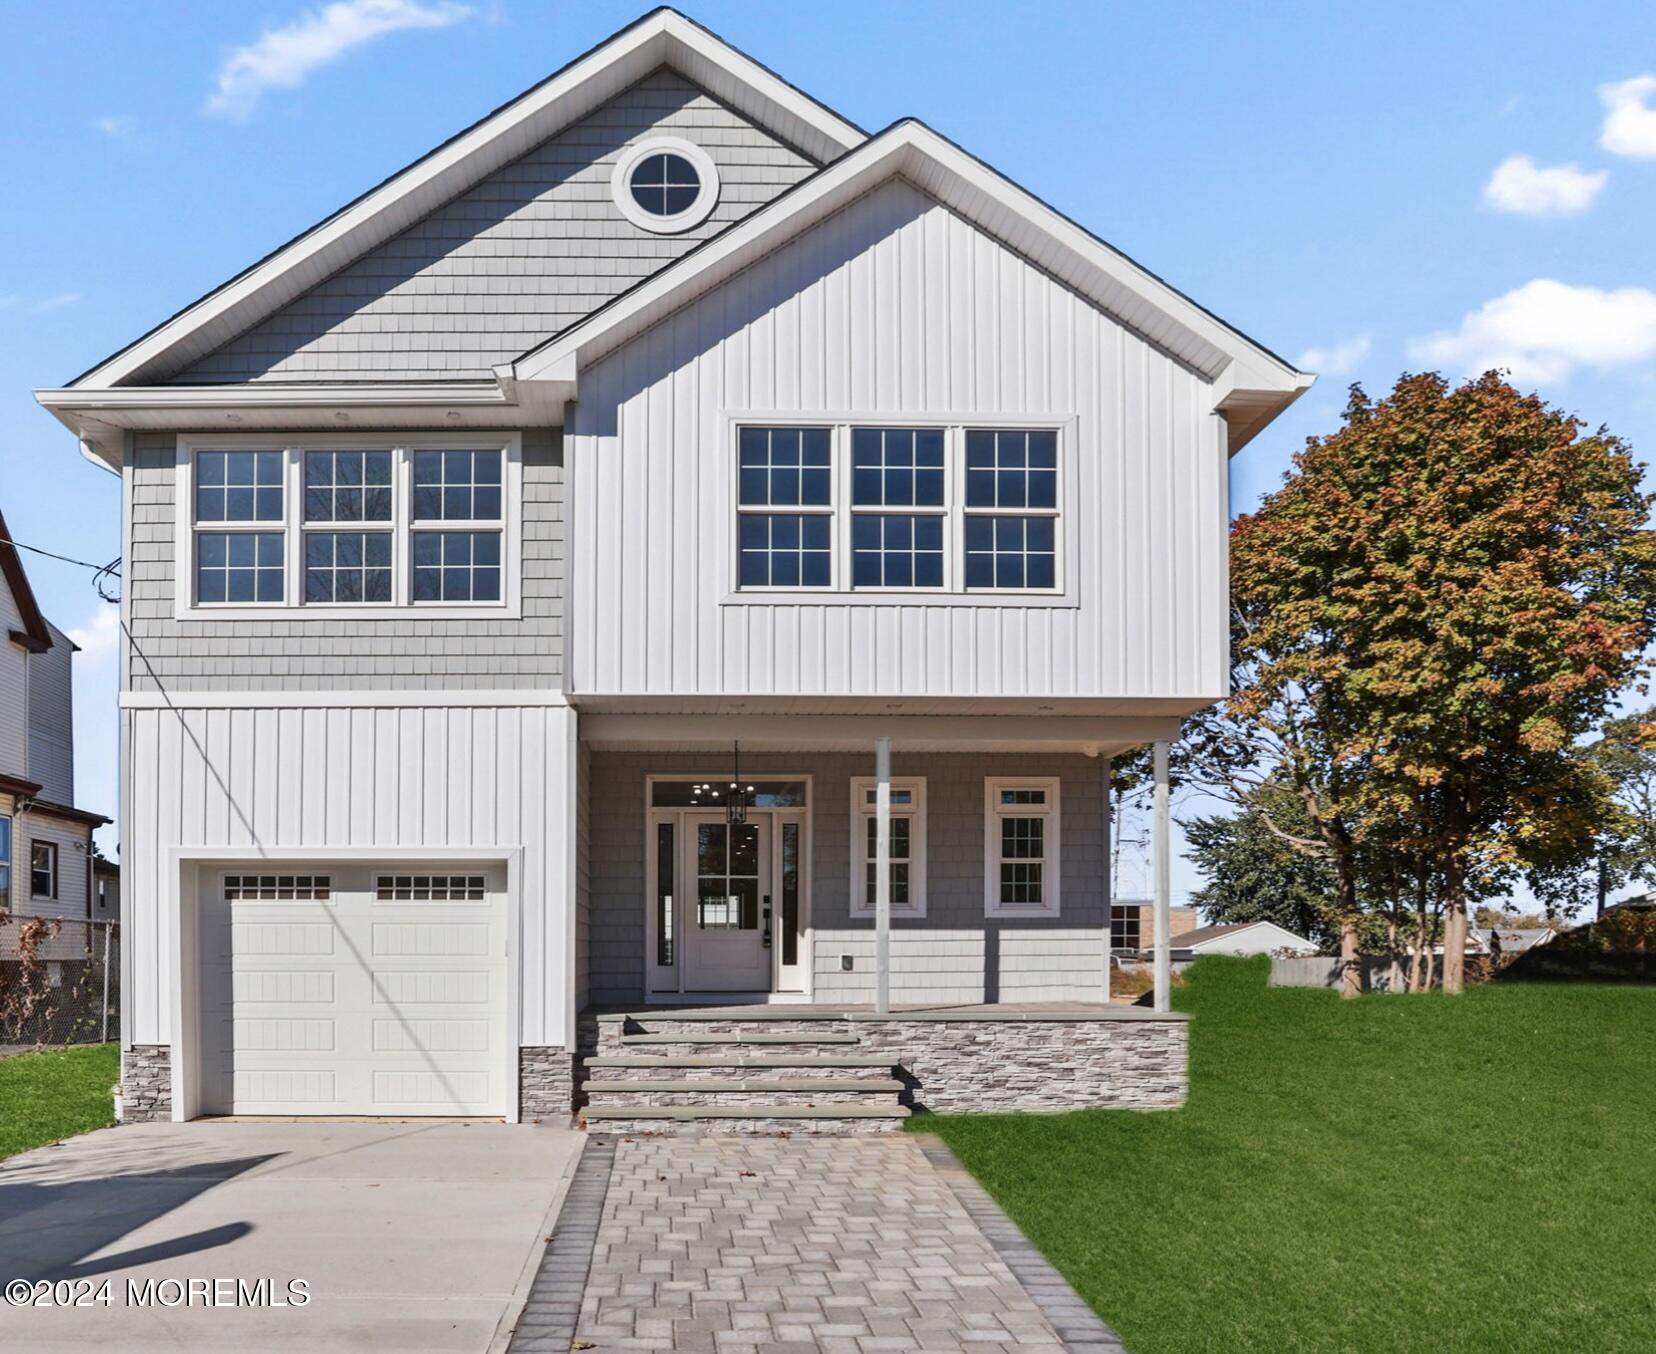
<point>765,938</point>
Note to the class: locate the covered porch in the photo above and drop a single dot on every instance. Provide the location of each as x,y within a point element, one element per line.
<point>917,903</point>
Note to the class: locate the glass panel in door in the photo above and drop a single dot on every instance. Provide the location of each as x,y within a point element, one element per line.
<point>724,941</point>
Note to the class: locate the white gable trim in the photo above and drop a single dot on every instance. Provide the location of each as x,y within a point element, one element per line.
<point>663,37</point>
<point>1251,384</point>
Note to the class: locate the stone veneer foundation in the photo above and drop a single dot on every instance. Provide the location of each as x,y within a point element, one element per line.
<point>973,1061</point>
<point>546,1082</point>
<point>146,1083</point>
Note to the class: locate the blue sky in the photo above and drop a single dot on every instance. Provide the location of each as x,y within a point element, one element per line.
<point>1372,188</point>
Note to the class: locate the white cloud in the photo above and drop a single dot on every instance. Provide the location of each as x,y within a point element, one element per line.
<point>115,124</point>
<point>1520,185</point>
<point>98,636</point>
<point>283,57</point>
<point>58,302</point>
<point>1338,359</point>
<point>1629,120</point>
<point>1545,329</point>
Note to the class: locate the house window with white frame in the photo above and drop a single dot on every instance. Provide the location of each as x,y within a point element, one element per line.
<point>364,524</point>
<point>43,870</point>
<point>908,846</point>
<point>939,508</point>
<point>1020,840</point>
<point>5,858</point>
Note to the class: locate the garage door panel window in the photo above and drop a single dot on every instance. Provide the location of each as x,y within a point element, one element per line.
<point>278,888</point>
<point>430,888</point>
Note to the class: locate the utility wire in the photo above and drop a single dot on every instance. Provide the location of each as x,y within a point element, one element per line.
<point>101,573</point>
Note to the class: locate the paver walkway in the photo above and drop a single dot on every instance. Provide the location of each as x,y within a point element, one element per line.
<point>728,1245</point>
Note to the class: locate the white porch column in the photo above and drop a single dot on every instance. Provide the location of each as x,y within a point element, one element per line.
<point>1161,864</point>
<point>882,876</point>
<point>1106,867</point>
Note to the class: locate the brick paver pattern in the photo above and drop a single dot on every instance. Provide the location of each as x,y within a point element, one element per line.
<point>729,1245</point>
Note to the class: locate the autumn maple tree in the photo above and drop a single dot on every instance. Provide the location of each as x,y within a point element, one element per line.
<point>1442,598</point>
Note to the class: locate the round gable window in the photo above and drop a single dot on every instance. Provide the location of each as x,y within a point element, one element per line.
<point>665,185</point>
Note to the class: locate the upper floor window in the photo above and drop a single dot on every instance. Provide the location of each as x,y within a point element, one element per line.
<point>350,526</point>
<point>5,859</point>
<point>943,508</point>
<point>1020,846</point>
<point>908,846</point>
<point>43,870</point>
<point>665,185</point>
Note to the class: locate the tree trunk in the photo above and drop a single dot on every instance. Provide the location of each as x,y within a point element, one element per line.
<point>1351,964</point>
<point>1454,925</point>
<point>1394,982</point>
<point>1417,966</point>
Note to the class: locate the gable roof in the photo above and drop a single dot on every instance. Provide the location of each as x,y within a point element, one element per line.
<point>661,37</point>
<point>1186,940</point>
<point>36,634</point>
<point>1252,384</point>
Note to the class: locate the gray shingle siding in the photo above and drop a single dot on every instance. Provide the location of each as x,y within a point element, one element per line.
<point>401,651</point>
<point>996,960</point>
<point>520,256</point>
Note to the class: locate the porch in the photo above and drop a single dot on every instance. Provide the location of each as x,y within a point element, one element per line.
<point>902,912</point>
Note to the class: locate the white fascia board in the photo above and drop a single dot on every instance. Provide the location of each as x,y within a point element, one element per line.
<point>662,37</point>
<point>1238,367</point>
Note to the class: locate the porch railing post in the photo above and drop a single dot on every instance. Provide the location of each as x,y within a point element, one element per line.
<point>882,876</point>
<point>1161,858</point>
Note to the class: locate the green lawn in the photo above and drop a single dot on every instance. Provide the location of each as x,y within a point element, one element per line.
<point>1395,1173</point>
<point>47,1096</point>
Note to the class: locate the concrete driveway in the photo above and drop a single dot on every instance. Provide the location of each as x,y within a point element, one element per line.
<point>408,1236</point>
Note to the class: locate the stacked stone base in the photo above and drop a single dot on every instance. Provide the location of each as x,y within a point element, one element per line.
<point>146,1083</point>
<point>546,1083</point>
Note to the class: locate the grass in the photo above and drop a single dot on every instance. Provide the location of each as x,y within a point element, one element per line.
<point>47,1096</point>
<point>1429,1173</point>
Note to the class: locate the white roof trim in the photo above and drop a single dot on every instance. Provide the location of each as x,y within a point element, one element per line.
<point>1249,381</point>
<point>662,37</point>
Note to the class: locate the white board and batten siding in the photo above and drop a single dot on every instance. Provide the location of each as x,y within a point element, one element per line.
<point>355,785</point>
<point>895,306</point>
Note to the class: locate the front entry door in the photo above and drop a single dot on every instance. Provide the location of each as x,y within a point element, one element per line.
<point>728,929</point>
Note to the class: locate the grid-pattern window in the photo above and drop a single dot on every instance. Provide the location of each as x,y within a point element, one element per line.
<point>347,566</point>
<point>430,888</point>
<point>665,184</point>
<point>785,468</point>
<point>1011,552</point>
<point>786,550</point>
<point>1124,927</point>
<point>456,566</point>
<point>239,566</point>
<point>43,869</point>
<point>896,550</point>
<point>940,508</point>
<point>348,486</point>
<point>238,486</point>
<point>908,846</point>
<point>457,486</point>
<point>375,525</point>
<point>267,888</point>
<point>1021,847</point>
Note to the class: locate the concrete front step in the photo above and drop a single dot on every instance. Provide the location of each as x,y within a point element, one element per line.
<point>691,1039</point>
<point>745,1118</point>
<point>766,1060</point>
<point>799,1086</point>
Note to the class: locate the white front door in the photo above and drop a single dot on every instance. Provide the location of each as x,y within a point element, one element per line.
<point>727,930</point>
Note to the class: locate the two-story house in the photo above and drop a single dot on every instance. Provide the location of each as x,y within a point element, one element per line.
<point>667,546</point>
<point>46,859</point>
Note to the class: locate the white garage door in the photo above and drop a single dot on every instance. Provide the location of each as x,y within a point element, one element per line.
<point>367,990</point>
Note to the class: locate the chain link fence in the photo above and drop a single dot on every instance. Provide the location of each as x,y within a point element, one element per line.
<point>60,981</point>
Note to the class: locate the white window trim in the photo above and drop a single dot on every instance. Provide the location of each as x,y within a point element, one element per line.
<point>1051,862</point>
<point>401,528</point>
<point>954,592</point>
<point>862,906</point>
<point>693,215</point>
<point>54,887</point>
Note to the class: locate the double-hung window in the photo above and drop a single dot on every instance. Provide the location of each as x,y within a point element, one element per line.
<point>908,846</point>
<point>5,859</point>
<point>43,870</point>
<point>353,525</point>
<point>942,508</point>
<point>1020,846</point>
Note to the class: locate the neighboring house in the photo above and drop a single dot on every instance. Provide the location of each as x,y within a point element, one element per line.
<point>1239,938</point>
<point>1507,940</point>
<point>106,889</point>
<point>45,841</point>
<point>662,433</point>
<point>1132,926</point>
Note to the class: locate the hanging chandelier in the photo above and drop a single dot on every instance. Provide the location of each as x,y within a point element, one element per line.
<point>740,796</point>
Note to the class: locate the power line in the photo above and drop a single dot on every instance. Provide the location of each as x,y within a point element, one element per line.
<point>112,568</point>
